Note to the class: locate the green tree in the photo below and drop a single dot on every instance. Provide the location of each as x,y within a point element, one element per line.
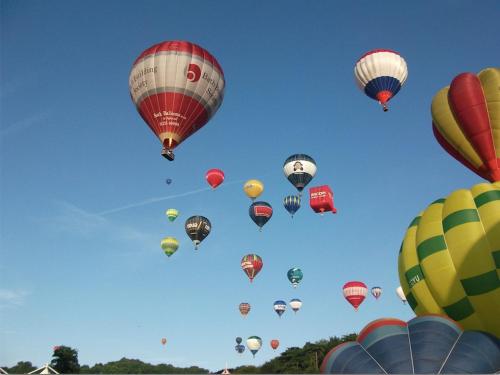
<point>21,368</point>
<point>65,360</point>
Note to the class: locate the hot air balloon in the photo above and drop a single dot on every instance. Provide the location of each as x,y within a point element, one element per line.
<point>280,307</point>
<point>251,265</point>
<point>240,348</point>
<point>448,261</point>
<point>292,204</point>
<point>274,344</point>
<point>355,293</point>
<point>254,343</point>
<point>321,199</point>
<point>376,292</point>
<point>163,341</point>
<point>429,344</point>
<point>197,228</point>
<point>172,214</point>
<point>300,170</point>
<point>401,294</point>
<point>168,181</point>
<point>238,340</point>
<point>295,304</point>
<point>177,87</point>
<point>380,74</point>
<point>253,188</point>
<point>295,275</point>
<point>466,121</point>
<point>169,245</point>
<point>244,308</point>
<point>214,177</point>
<point>260,212</point>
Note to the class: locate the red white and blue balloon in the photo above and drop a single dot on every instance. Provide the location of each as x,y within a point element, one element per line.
<point>380,74</point>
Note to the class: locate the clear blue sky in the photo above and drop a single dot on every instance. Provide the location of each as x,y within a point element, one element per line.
<point>73,148</point>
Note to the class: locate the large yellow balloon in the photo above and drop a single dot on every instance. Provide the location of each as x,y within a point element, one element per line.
<point>449,261</point>
<point>253,188</point>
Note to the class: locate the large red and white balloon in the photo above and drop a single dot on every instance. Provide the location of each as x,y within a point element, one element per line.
<point>177,86</point>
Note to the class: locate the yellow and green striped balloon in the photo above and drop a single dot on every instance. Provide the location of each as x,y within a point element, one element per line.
<point>449,261</point>
<point>169,245</point>
<point>172,214</point>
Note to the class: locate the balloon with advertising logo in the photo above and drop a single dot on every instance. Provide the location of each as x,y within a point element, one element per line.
<point>177,87</point>
<point>251,265</point>
<point>197,228</point>
<point>295,275</point>
<point>279,307</point>
<point>260,213</point>
<point>299,170</point>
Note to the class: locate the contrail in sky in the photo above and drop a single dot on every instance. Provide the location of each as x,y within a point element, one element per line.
<point>159,199</point>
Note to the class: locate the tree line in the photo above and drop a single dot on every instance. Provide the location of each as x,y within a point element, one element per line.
<point>294,360</point>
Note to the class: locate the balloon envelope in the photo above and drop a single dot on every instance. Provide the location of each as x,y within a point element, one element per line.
<point>197,228</point>
<point>163,341</point>
<point>244,308</point>
<point>295,275</point>
<point>299,169</point>
<point>240,348</point>
<point>168,181</point>
<point>466,121</point>
<point>448,261</point>
<point>251,265</point>
<point>260,213</point>
<point>355,293</point>
<point>172,214</point>
<point>279,307</point>
<point>238,340</point>
<point>376,292</point>
<point>275,344</point>
<point>295,304</point>
<point>425,345</point>
<point>177,86</point>
<point>292,204</point>
<point>380,73</point>
<point>254,343</point>
<point>169,245</point>
<point>253,188</point>
<point>214,177</point>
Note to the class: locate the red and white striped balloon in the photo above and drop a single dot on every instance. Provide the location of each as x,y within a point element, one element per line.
<point>355,293</point>
<point>177,87</point>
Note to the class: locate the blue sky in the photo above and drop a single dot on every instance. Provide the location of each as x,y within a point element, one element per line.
<point>79,267</point>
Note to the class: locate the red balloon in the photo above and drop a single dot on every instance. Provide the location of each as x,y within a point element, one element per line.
<point>355,293</point>
<point>321,199</point>
<point>251,265</point>
<point>214,177</point>
<point>275,344</point>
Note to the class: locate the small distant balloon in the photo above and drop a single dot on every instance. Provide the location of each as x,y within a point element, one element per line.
<point>279,307</point>
<point>169,245</point>
<point>251,265</point>
<point>401,294</point>
<point>244,308</point>
<point>376,292</point>
<point>172,214</point>
<point>214,177</point>
<point>295,304</point>
<point>253,188</point>
<point>274,344</point>
<point>260,213</point>
<point>292,204</point>
<point>295,275</point>
<point>254,343</point>
<point>355,293</point>
<point>240,348</point>
<point>197,229</point>
<point>238,340</point>
<point>168,181</point>
<point>163,341</point>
